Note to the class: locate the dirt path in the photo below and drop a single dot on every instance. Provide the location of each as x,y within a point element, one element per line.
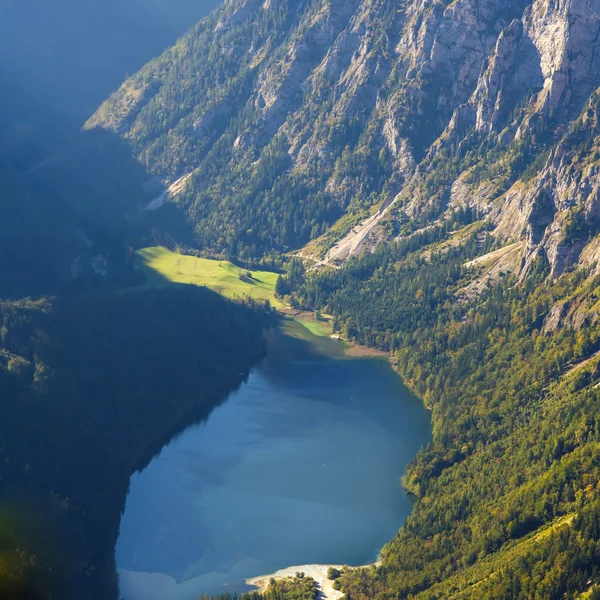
<point>354,241</point>
<point>493,266</point>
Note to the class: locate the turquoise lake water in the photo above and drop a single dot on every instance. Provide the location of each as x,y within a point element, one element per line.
<point>302,464</point>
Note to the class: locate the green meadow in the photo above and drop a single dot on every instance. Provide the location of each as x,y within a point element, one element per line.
<point>163,267</point>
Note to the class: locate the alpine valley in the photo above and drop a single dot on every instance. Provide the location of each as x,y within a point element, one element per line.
<point>423,174</point>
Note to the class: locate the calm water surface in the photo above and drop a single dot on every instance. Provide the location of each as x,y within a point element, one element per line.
<point>301,465</point>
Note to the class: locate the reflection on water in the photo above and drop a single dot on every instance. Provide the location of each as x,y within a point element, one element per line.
<point>301,465</point>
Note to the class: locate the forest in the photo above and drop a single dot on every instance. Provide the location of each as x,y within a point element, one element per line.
<point>292,588</point>
<point>456,129</point>
<point>508,490</point>
<point>170,357</point>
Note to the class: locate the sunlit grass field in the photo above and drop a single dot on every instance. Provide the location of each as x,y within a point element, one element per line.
<point>163,267</point>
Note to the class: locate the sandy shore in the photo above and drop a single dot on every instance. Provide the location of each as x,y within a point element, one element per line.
<point>317,572</point>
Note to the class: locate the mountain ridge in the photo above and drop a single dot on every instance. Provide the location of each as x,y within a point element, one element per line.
<point>443,156</point>
<point>363,105</point>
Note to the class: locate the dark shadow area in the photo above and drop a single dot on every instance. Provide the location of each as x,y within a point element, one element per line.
<point>18,592</point>
<point>66,197</point>
<point>65,193</point>
<point>91,387</point>
<point>93,382</point>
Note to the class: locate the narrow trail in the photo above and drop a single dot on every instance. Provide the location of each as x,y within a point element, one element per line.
<point>580,364</point>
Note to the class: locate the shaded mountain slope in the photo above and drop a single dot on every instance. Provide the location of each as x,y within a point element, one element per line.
<point>91,387</point>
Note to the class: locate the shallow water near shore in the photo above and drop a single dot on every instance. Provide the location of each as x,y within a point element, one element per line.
<point>302,464</point>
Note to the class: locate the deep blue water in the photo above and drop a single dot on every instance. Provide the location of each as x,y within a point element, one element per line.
<point>302,464</point>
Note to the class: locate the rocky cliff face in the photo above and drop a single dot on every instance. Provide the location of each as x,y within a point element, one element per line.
<point>416,108</point>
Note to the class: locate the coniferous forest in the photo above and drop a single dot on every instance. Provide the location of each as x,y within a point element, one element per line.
<point>423,175</point>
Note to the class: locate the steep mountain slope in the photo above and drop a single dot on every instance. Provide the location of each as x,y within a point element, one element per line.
<point>447,152</point>
<point>58,60</point>
<point>65,194</point>
<point>508,491</point>
<point>292,116</point>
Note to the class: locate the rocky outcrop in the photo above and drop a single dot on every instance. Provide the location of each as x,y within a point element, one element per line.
<point>421,108</point>
<point>513,70</point>
<point>565,34</point>
<point>590,256</point>
<point>237,13</point>
<point>560,208</point>
<point>541,72</point>
<point>280,85</point>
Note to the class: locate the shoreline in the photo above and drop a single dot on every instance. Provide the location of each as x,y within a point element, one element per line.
<point>353,350</point>
<point>309,319</point>
<point>315,571</point>
<point>318,572</point>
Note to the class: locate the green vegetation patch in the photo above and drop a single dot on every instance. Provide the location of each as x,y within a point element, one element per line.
<point>316,327</point>
<point>163,267</point>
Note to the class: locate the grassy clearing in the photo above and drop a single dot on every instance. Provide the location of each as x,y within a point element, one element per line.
<point>163,267</point>
<point>320,328</point>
